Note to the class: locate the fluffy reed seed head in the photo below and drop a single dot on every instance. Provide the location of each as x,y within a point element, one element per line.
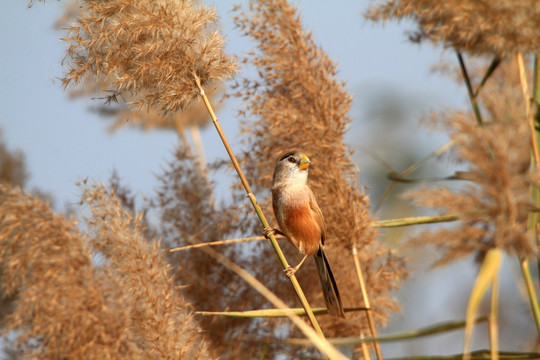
<point>189,214</point>
<point>60,304</point>
<point>12,165</point>
<point>163,320</point>
<point>297,103</point>
<point>494,203</point>
<point>57,302</point>
<point>149,51</point>
<point>492,27</point>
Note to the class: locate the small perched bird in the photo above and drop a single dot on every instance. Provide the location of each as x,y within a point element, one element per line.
<point>301,222</point>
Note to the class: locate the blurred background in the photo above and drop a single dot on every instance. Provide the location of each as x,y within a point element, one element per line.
<point>394,87</point>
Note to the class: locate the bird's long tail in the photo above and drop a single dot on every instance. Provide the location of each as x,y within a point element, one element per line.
<point>328,284</point>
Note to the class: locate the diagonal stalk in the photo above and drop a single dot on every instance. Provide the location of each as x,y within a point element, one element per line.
<point>314,338</point>
<point>413,168</point>
<point>494,64</point>
<point>470,91</point>
<point>435,329</point>
<point>489,271</point>
<point>257,209</point>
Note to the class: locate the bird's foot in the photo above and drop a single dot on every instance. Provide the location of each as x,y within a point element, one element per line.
<point>290,271</point>
<point>269,231</point>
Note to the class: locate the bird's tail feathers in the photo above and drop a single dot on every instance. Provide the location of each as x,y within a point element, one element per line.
<point>328,284</point>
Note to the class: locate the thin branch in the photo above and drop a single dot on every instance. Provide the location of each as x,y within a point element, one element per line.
<point>414,167</point>
<point>401,336</point>
<point>314,337</point>
<point>415,220</point>
<point>272,313</point>
<point>494,320</point>
<point>494,64</point>
<point>470,91</point>
<point>223,242</point>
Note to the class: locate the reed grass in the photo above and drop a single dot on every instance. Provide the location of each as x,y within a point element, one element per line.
<point>102,287</point>
<point>258,210</point>
<point>504,175</point>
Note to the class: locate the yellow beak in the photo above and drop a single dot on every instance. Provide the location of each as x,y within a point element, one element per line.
<point>304,162</point>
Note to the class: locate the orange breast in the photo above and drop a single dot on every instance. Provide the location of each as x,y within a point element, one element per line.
<point>301,228</point>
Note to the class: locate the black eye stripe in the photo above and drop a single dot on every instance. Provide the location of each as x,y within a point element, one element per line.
<point>290,153</point>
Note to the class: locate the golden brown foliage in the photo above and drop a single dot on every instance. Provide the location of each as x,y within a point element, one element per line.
<point>188,214</point>
<point>298,104</point>
<point>495,203</point>
<point>12,165</point>
<point>64,305</point>
<point>492,27</point>
<point>148,51</point>
<point>315,112</point>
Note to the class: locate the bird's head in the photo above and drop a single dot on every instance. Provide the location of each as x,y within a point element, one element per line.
<point>292,166</point>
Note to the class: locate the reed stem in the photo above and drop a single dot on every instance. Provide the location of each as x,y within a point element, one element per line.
<point>533,300</point>
<point>369,313</point>
<point>257,209</point>
<point>472,96</point>
<point>494,320</point>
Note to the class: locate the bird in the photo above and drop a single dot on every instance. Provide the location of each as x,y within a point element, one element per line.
<point>301,221</point>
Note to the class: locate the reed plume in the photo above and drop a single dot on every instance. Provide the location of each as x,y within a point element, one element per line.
<point>494,203</point>
<point>493,27</point>
<point>297,103</point>
<point>58,303</point>
<point>188,214</point>
<point>147,52</point>
<point>12,165</point>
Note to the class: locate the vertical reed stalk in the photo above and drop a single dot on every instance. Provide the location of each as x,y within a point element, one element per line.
<point>258,210</point>
<point>528,113</point>
<point>197,141</point>
<point>536,102</point>
<point>530,120</point>
<point>531,292</point>
<point>365,350</point>
<point>366,302</point>
<point>493,320</point>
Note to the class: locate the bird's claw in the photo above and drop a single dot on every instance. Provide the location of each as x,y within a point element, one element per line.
<point>269,231</point>
<point>289,271</point>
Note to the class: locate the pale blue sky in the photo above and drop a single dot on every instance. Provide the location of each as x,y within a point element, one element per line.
<point>63,142</point>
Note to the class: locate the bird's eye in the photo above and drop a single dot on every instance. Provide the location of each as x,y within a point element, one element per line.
<point>291,160</point>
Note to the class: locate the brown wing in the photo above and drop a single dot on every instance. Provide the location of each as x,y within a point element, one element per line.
<point>317,215</point>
